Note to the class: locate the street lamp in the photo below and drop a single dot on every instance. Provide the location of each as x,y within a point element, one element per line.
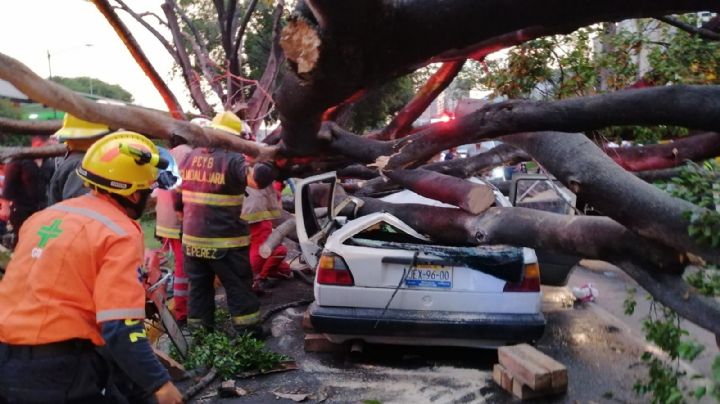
<point>49,58</point>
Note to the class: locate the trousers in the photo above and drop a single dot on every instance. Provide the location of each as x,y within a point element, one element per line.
<point>273,266</point>
<point>232,266</point>
<point>180,282</point>
<point>82,375</point>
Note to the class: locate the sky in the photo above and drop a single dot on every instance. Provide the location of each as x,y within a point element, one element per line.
<point>31,28</point>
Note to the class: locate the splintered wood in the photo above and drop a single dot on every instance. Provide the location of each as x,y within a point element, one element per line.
<point>528,373</point>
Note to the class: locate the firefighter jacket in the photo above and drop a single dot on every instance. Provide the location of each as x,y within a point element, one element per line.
<point>65,183</point>
<point>167,224</point>
<point>75,267</point>
<point>261,204</point>
<point>213,191</point>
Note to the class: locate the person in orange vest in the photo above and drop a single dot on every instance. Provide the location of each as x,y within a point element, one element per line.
<point>214,238</point>
<point>71,303</point>
<point>260,208</point>
<point>168,227</point>
<point>78,136</point>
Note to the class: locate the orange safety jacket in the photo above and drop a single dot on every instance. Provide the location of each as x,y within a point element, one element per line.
<point>213,191</point>
<point>167,224</point>
<point>261,204</point>
<point>75,267</point>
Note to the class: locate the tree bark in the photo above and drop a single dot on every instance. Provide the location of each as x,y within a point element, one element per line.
<point>655,157</point>
<point>16,153</point>
<point>29,127</point>
<point>170,101</point>
<point>579,164</point>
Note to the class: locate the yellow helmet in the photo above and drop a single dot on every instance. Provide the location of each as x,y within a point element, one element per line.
<point>228,122</point>
<point>75,128</point>
<point>121,163</point>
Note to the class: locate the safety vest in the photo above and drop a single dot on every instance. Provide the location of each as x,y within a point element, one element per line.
<point>213,191</point>
<point>167,224</point>
<point>261,204</point>
<point>76,266</point>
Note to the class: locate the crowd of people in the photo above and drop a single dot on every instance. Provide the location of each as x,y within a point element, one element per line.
<point>71,303</point>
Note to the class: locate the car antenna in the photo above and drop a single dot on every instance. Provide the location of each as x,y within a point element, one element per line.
<point>402,279</point>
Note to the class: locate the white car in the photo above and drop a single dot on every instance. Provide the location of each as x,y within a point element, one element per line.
<point>379,281</point>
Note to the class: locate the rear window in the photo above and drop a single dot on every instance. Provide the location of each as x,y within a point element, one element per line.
<point>385,232</point>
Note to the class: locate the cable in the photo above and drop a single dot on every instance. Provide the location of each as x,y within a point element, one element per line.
<point>402,279</point>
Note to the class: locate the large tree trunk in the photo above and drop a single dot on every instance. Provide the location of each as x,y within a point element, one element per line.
<point>29,127</point>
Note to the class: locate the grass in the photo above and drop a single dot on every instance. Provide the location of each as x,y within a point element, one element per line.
<point>147,222</point>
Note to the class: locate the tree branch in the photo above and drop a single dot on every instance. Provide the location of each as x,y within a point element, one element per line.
<point>172,103</point>
<point>667,155</point>
<point>29,127</point>
<point>410,112</point>
<point>190,76</point>
<point>148,122</point>
<point>579,164</point>
<point>164,42</point>
<point>701,32</point>
<point>16,153</point>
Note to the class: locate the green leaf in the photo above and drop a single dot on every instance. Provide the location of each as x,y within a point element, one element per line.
<point>700,392</point>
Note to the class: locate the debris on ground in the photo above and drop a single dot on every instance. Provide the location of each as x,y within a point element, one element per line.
<point>294,396</point>
<point>283,366</point>
<point>585,293</point>
<point>527,373</point>
<point>228,388</point>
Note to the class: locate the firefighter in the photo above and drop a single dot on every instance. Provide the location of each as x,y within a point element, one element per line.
<point>78,136</point>
<point>259,209</point>
<point>214,238</point>
<point>71,304</point>
<point>168,227</point>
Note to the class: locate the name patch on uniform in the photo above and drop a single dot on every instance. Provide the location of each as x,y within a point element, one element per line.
<point>201,252</point>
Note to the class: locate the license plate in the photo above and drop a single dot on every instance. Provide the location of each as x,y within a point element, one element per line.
<point>430,276</point>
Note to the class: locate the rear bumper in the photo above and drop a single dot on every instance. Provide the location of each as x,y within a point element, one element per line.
<point>427,324</point>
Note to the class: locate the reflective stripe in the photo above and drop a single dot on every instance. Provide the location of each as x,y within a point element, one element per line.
<point>248,319</point>
<point>216,242</point>
<point>181,281</point>
<point>92,215</point>
<point>167,232</point>
<point>180,293</point>
<point>212,199</point>
<point>261,215</point>
<point>119,314</point>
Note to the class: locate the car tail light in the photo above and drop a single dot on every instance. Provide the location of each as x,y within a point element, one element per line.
<point>332,270</point>
<point>530,281</point>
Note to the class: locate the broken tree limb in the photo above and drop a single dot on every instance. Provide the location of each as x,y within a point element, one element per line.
<point>276,237</point>
<point>579,164</point>
<point>15,153</point>
<point>29,127</point>
<point>468,196</point>
<point>702,32</point>
<point>667,155</point>
<point>136,51</point>
<point>148,122</point>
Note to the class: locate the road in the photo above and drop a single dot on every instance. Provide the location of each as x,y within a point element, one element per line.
<point>599,345</point>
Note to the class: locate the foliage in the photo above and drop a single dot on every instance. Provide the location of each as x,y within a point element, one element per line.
<point>607,57</point>
<point>95,86</point>
<point>10,110</point>
<point>374,110</point>
<point>230,356</point>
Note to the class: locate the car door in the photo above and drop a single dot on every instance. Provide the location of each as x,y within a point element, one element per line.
<point>313,214</point>
<point>538,191</point>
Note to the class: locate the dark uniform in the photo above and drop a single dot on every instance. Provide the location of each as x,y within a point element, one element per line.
<point>65,183</point>
<point>215,240</point>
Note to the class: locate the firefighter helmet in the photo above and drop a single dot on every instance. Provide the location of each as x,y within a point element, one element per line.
<point>125,162</point>
<point>75,128</point>
<point>228,122</point>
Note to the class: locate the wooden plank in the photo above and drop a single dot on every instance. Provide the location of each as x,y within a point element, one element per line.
<point>318,343</point>
<point>558,372</point>
<point>523,369</point>
<point>523,392</point>
<point>306,323</point>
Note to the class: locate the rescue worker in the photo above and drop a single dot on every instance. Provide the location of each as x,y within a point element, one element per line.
<point>260,208</point>
<point>78,136</point>
<point>214,238</point>
<point>71,291</point>
<point>168,227</point>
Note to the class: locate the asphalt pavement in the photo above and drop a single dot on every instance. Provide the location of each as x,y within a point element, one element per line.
<point>598,344</point>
